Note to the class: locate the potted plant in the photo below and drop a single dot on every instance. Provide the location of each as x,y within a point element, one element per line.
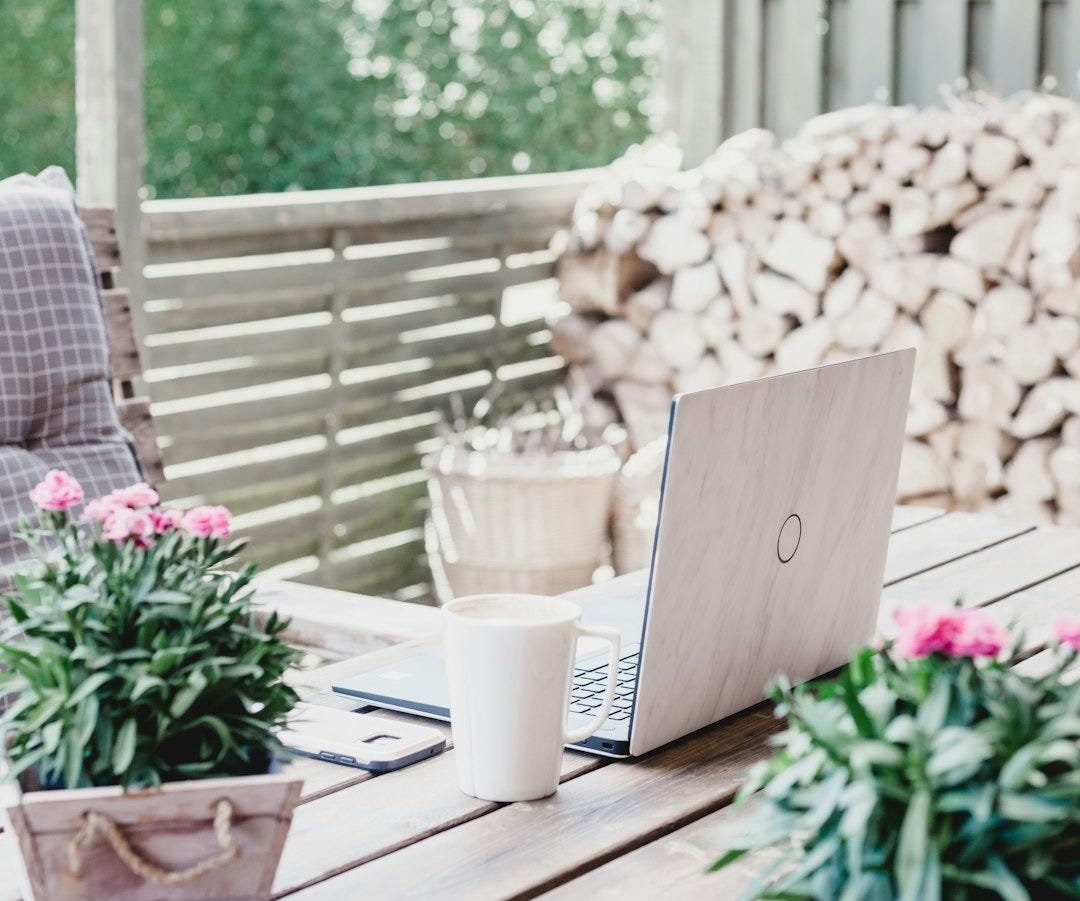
<point>142,699</point>
<point>930,769</point>
<point>520,506</point>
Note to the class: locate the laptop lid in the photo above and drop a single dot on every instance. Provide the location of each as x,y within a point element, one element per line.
<point>770,549</point>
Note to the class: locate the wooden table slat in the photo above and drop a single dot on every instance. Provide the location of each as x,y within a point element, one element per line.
<point>1036,609</point>
<point>949,537</point>
<point>991,573</point>
<point>673,868</point>
<point>9,889</point>
<point>321,778</point>
<point>906,517</point>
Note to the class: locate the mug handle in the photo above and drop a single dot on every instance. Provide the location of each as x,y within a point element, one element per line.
<point>611,636</point>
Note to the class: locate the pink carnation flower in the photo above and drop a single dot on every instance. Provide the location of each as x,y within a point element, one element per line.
<point>1067,632</point>
<point>207,522</point>
<point>138,495</point>
<point>164,520</point>
<point>123,523</point>
<point>57,492</point>
<point>99,509</point>
<point>923,631</point>
<point>977,635</point>
<point>954,632</point>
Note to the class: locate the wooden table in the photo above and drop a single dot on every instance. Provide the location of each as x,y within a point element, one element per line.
<point>641,828</point>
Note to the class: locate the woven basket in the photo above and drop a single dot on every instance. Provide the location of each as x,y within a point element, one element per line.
<point>636,508</point>
<point>530,523</point>
<point>633,535</point>
<point>466,579</point>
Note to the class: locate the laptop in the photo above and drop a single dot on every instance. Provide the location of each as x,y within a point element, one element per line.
<point>769,556</point>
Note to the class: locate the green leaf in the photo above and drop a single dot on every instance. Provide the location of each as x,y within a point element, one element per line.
<point>87,687</point>
<point>934,710</point>
<point>183,700</point>
<point>880,703</point>
<point>728,857</point>
<point>46,711</point>
<point>74,765</point>
<point>165,659</point>
<point>24,762</point>
<point>902,730</point>
<point>977,801</point>
<point>957,754</point>
<point>821,800</point>
<point>762,825</point>
<point>196,769</point>
<point>865,754</point>
<point>1005,882</point>
<point>827,845</point>
<point>1061,751</point>
<point>144,683</point>
<point>218,726</point>
<point>1014,774</point>
<point>51,735</point>
<point>859,804</point>
<point>912,848</point>
<point>979,878</point>
<point>166,596</point>
<point>18,612</point>
<point>124,748</point>
<point>1063,727</point>
<point>86,719</point>
<point>1031,808</point>
<point>863,722</point>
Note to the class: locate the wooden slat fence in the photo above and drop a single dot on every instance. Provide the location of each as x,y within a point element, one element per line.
<point>299,349</point>
<point>779,62</point>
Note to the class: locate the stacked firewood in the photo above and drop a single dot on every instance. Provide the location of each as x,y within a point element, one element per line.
<point>954,230</point>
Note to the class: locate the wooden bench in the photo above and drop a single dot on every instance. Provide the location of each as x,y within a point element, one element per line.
<point>124,356</point>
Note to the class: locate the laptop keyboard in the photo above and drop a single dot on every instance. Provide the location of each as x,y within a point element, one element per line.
<point>587,688</point>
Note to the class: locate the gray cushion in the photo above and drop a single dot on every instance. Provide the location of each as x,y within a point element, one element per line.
<point>56,404</point>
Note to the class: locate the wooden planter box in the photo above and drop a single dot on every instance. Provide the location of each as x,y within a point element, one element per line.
<point>170,828</point>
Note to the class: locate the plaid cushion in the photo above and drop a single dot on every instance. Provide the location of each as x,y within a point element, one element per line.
<point>56,404</point>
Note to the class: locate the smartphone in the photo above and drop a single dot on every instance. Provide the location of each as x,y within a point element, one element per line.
<point>361,740</point>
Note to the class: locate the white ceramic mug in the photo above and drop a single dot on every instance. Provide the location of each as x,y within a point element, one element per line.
<point>510,659</point>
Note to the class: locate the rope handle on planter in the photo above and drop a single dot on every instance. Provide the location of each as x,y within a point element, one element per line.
<point>94,822</point>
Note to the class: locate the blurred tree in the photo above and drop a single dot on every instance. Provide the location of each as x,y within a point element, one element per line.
<point>475,87</point>
<point>37,85</point>
<point>268,95</point>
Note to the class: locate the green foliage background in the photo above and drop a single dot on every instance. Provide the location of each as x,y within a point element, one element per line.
<point>268,95</point>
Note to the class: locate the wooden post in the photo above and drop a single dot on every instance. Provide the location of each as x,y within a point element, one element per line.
<point>744,70</point>
<point>694,39</point>
<point>1071,85</point>
<point>326,574</point>
<point>795,73</point>
<point>1014,44</point>
<point>870,51</point>
<point>109,139</point>
<point>944,43</point>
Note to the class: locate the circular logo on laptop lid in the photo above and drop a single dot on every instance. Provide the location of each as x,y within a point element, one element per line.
<point>787,542</point>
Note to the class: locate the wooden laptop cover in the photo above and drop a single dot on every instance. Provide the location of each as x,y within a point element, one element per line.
<point>818,450</point>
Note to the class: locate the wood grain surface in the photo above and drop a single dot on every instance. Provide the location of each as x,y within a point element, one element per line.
<point>818,449</point>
